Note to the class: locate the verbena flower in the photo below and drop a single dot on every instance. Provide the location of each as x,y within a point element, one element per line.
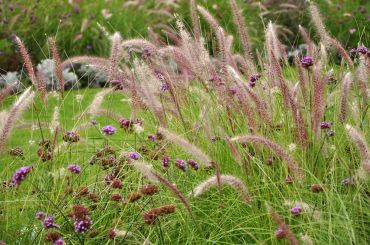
<point>325,125</point>
<point>40,215</point>
<point>164,86</point>
<point>253,78</point>
<point>193,164</point>
<point>152,137</point>
<point>296,210</point>
<point>165,161</point>
<point>129,124</point>
<point>181,164</point>
<point>134,155</point>
<point>112,234</point>
<point>108,130</point>
<point>20,175</point>
<point>49,222</point>
<point>59,241</point>
<point>362,50</point>
<point>233,90</point>
<point>74,168</point>
<point>306,61</point>
<point>117,84</point>
<point>81,226</point>
<point>279,233</point>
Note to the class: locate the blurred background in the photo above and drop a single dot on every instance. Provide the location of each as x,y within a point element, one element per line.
<point>79,26</point>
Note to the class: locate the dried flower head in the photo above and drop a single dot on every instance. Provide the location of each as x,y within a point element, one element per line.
<point>149,190</point>
<point>70,136</point>
<point>315,188</point>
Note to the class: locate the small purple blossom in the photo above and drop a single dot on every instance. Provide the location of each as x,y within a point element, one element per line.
<point>361,50</point>
<point>279,233</point>
<point>165,161</point>
<point>49,223</point>
<point>108,130</point>
<point>214,78</point>
<point>59,241</point>
<point>306,61</point>
<point>193,164</point>
<point>164,86</point>
<point>233,90</point>
<point>269,161</point>
<point>325,125</point>
<point>125,123</point>
<point>134,155</point>
<point>81,226</point>
<point>19,175</point>
<point>152,137</point>
<point>117,84</point>
<point>74,168</point>
<point>11,6</point>
<point>253,78</point>
<point>181,164</point>
<point>296,210</point>
<point>347,181</point>
<point>40,215</point>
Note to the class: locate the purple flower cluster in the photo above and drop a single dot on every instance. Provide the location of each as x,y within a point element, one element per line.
<point>59,241</point>
<point>49,223</point>
<point>193,164</point>
<point>361,50</point>
<point>279,233</point>
<point>40,215</point>
<point>325,125</point>
<point>74,168</point>
<point>19,175</point>
<point>181,164</point>
<point>233,90</point>
<point>253,79</point>
<point>296,210</point>
<point>134,155</point>
<point>152,137</point>
<point>165,161</point>
<point>117,84</point>
<point>164,86</point>
<point>129,124</point>
<point>81,226</point>
<point>109,130</point>
<point>306,61</point>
